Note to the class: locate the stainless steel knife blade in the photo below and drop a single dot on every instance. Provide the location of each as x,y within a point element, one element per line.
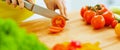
<point>40,10</point>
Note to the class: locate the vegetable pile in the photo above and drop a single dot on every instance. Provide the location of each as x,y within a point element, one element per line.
<point>14,38</point>
<point>74,45</point>
<point>98,16</point>
<point>58,24</point>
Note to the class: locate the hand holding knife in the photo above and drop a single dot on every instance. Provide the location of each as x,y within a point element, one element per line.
<point>40,10</point>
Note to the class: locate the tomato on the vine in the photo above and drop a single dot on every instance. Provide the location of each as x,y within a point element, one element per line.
<point>88,15</point>
<point>109,17</point>
<point>83,9</point>
<point>98,21</point>
<point>114,23</point>
<point>100,9</point>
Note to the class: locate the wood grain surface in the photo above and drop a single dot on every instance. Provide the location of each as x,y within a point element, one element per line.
<point>75,29</point>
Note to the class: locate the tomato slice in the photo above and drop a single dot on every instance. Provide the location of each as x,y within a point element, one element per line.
<point>58,21</point>
<point>54,29</point>
<point>57,28</point>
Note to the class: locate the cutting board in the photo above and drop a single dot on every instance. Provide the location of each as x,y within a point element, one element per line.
<point>75,29</point>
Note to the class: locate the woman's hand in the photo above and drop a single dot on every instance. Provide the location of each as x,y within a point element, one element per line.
<point>56,4</point>
<point>18,2</point>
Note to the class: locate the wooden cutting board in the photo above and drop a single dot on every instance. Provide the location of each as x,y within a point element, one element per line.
<point>76,29</point>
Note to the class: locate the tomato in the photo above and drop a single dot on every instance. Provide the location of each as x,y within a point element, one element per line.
<point>98,21</point>
<point>104,9</point>
<point>114,23</point>
<point>83,9</point>
<point>54,29</point>
<point>59,47</point>
<point>58,21</point>
<point>109,17</point>
<point>75,44</point>
<point>88,15</point>
<point>101,9</point>
<point>71,48</point>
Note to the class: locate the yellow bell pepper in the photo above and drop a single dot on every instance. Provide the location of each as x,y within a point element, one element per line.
<point>17,14</point>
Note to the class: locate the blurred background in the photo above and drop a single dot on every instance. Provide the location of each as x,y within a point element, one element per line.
<point>75,5</point>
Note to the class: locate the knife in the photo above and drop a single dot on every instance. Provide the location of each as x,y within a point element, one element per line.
<point>40,10</point>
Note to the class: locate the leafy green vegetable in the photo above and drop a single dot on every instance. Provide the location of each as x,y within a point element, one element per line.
<point>14,38</point>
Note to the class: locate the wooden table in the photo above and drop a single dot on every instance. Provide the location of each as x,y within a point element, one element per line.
<point>76,29</point>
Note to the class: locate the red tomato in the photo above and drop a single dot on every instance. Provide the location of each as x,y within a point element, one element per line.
<point>58,21</point>
<point>59,47</point>
<point>98,21</point>
<point>75,44</point>
<point>54,29</point>
<point>114,23</point>
<point>83,9</point>
<point>71,48</point>
<point>109,17</point>
<point>88,15</point>
<point>102,9</point>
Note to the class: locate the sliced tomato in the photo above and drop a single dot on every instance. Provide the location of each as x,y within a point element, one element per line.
<point>58,21</point>
<point>57,28</point>
<point>54,29</point>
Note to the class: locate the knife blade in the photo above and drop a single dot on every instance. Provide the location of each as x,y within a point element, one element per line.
<point>40,10</point>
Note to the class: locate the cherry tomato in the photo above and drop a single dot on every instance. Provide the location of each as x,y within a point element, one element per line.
<point>58,21</point>
<point>59,47</point>
<point>101,9</point>
<point>114,23</point>
<point>88,15</point>
<point>83,9</point>
<point>98,21</point>
<point>109,17</point>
